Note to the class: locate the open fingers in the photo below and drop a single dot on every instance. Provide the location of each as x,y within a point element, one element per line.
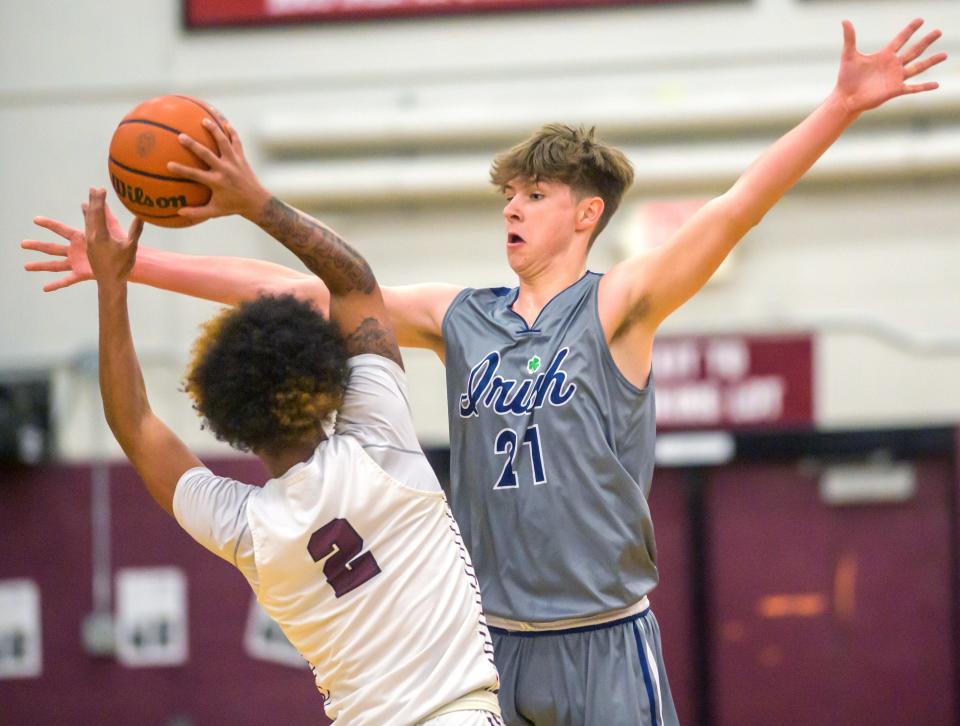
<point>901,38</point>
<point>61,283</point>
<point>48,266</point>
<point>916,50</point>
<point>48,248</point>
<point>203,176</point>
<point>919,67</point>
<point>56,227</point>
<point>199,150</point>
<point>223,142</point>
<point>921,87</point>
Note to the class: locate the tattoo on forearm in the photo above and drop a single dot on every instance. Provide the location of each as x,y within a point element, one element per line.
<point>371,337</point>
<point>319,248</point>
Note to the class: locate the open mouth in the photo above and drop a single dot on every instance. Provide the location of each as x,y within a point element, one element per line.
<point>514,239</point>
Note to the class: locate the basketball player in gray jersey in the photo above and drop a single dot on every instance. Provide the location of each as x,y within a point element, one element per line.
<point>550,388</point>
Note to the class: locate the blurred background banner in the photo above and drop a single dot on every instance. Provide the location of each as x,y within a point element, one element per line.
<point>734,381</point>
<point>213,13</point>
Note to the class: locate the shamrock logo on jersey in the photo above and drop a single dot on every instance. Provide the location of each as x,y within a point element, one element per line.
<point>533,365</point>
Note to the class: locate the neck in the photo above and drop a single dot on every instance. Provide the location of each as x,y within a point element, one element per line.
<point>280,462</point>
<point>536,291</point>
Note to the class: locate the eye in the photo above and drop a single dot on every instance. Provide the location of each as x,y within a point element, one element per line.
<point>536,195</point>
<point>508,199</point>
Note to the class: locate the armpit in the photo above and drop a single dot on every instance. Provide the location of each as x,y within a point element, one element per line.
<point>371,337</point>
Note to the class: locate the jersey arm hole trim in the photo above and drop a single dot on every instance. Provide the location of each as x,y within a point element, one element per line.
<point>393,448</point>
<point>236,547</point>
<point>459,298</point>
<point>608,355</point>
<point>438,494</point>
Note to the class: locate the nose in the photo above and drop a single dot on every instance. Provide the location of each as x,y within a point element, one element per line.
<point>511,210</point>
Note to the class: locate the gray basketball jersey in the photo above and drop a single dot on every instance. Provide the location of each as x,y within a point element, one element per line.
<point>551,457</point>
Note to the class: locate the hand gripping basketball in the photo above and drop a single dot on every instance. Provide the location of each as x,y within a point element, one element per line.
<point>234,187</point>
<point>144,142</point>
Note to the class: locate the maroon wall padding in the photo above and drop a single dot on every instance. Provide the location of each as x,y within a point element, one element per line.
<point>671,600</point>
<point>888,661</point>
<point>883,656</point>
<point>45,520</point>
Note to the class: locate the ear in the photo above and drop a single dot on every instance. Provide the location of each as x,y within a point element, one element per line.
<point>589,211</point>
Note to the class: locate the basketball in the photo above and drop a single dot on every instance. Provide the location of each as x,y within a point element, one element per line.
<point>145,140</point>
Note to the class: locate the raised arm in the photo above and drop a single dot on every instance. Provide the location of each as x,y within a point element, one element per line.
<point>356,304</point>
<point>157,454</point>
<point>640,292</point>
<point>415,311</point>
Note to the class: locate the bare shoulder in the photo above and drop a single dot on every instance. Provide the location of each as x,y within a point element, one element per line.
<point>431,298</point>
<point>417,312</point>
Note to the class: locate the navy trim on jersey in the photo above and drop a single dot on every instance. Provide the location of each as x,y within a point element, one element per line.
<point>530,328</point>
<point>566,631</point>
<point>647,681</point>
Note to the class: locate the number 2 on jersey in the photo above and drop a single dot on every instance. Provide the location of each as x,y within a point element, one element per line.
<point>506,443</point>
<point>338,542</point>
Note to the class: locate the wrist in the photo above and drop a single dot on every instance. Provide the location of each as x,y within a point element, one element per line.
<point>843,105</point>
<point>257,206</point>
<point>111,287</point>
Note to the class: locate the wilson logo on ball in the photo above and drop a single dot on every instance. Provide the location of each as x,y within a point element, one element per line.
<point>145,141</point>
<point>131,194</point>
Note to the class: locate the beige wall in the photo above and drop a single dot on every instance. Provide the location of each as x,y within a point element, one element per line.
<point>405,116</point>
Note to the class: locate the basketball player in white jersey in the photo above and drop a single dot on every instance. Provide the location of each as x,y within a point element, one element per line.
<point>550,392</point>
<point>351,547</point>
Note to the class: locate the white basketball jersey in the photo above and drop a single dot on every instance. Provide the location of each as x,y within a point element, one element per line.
<point>370,581</point>
<point>367,576</point>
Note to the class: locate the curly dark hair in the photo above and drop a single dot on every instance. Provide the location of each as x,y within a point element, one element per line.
<point>267,374</point>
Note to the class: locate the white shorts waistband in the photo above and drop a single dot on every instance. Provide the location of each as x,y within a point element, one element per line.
<point>527,627</point>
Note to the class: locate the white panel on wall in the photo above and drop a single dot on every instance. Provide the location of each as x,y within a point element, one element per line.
<point>151,620</point>
<point>21,645</point>
<point>264,640</point>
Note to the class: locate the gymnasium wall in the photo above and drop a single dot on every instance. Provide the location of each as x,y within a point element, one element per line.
<point>776,605</point>
<point>385,129</point>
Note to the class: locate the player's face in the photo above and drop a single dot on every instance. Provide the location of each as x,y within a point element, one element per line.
<point>540,221</point>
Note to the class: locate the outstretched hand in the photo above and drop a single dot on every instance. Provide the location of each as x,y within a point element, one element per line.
<point>233,185</point>
<point>867,81</point>
<point>111,252</point>
<point>74,254</point>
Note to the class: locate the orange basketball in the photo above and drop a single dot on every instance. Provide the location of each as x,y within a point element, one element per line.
<point>145,141</point>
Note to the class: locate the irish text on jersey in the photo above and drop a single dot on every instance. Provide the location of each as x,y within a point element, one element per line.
<point>488,389</point>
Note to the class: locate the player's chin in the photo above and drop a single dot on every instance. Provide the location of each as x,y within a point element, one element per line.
<point>517,259</point>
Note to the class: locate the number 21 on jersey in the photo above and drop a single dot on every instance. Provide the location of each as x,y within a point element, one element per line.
<point>506,444</point>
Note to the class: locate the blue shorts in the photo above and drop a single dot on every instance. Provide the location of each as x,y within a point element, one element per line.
<point>610,674</point>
